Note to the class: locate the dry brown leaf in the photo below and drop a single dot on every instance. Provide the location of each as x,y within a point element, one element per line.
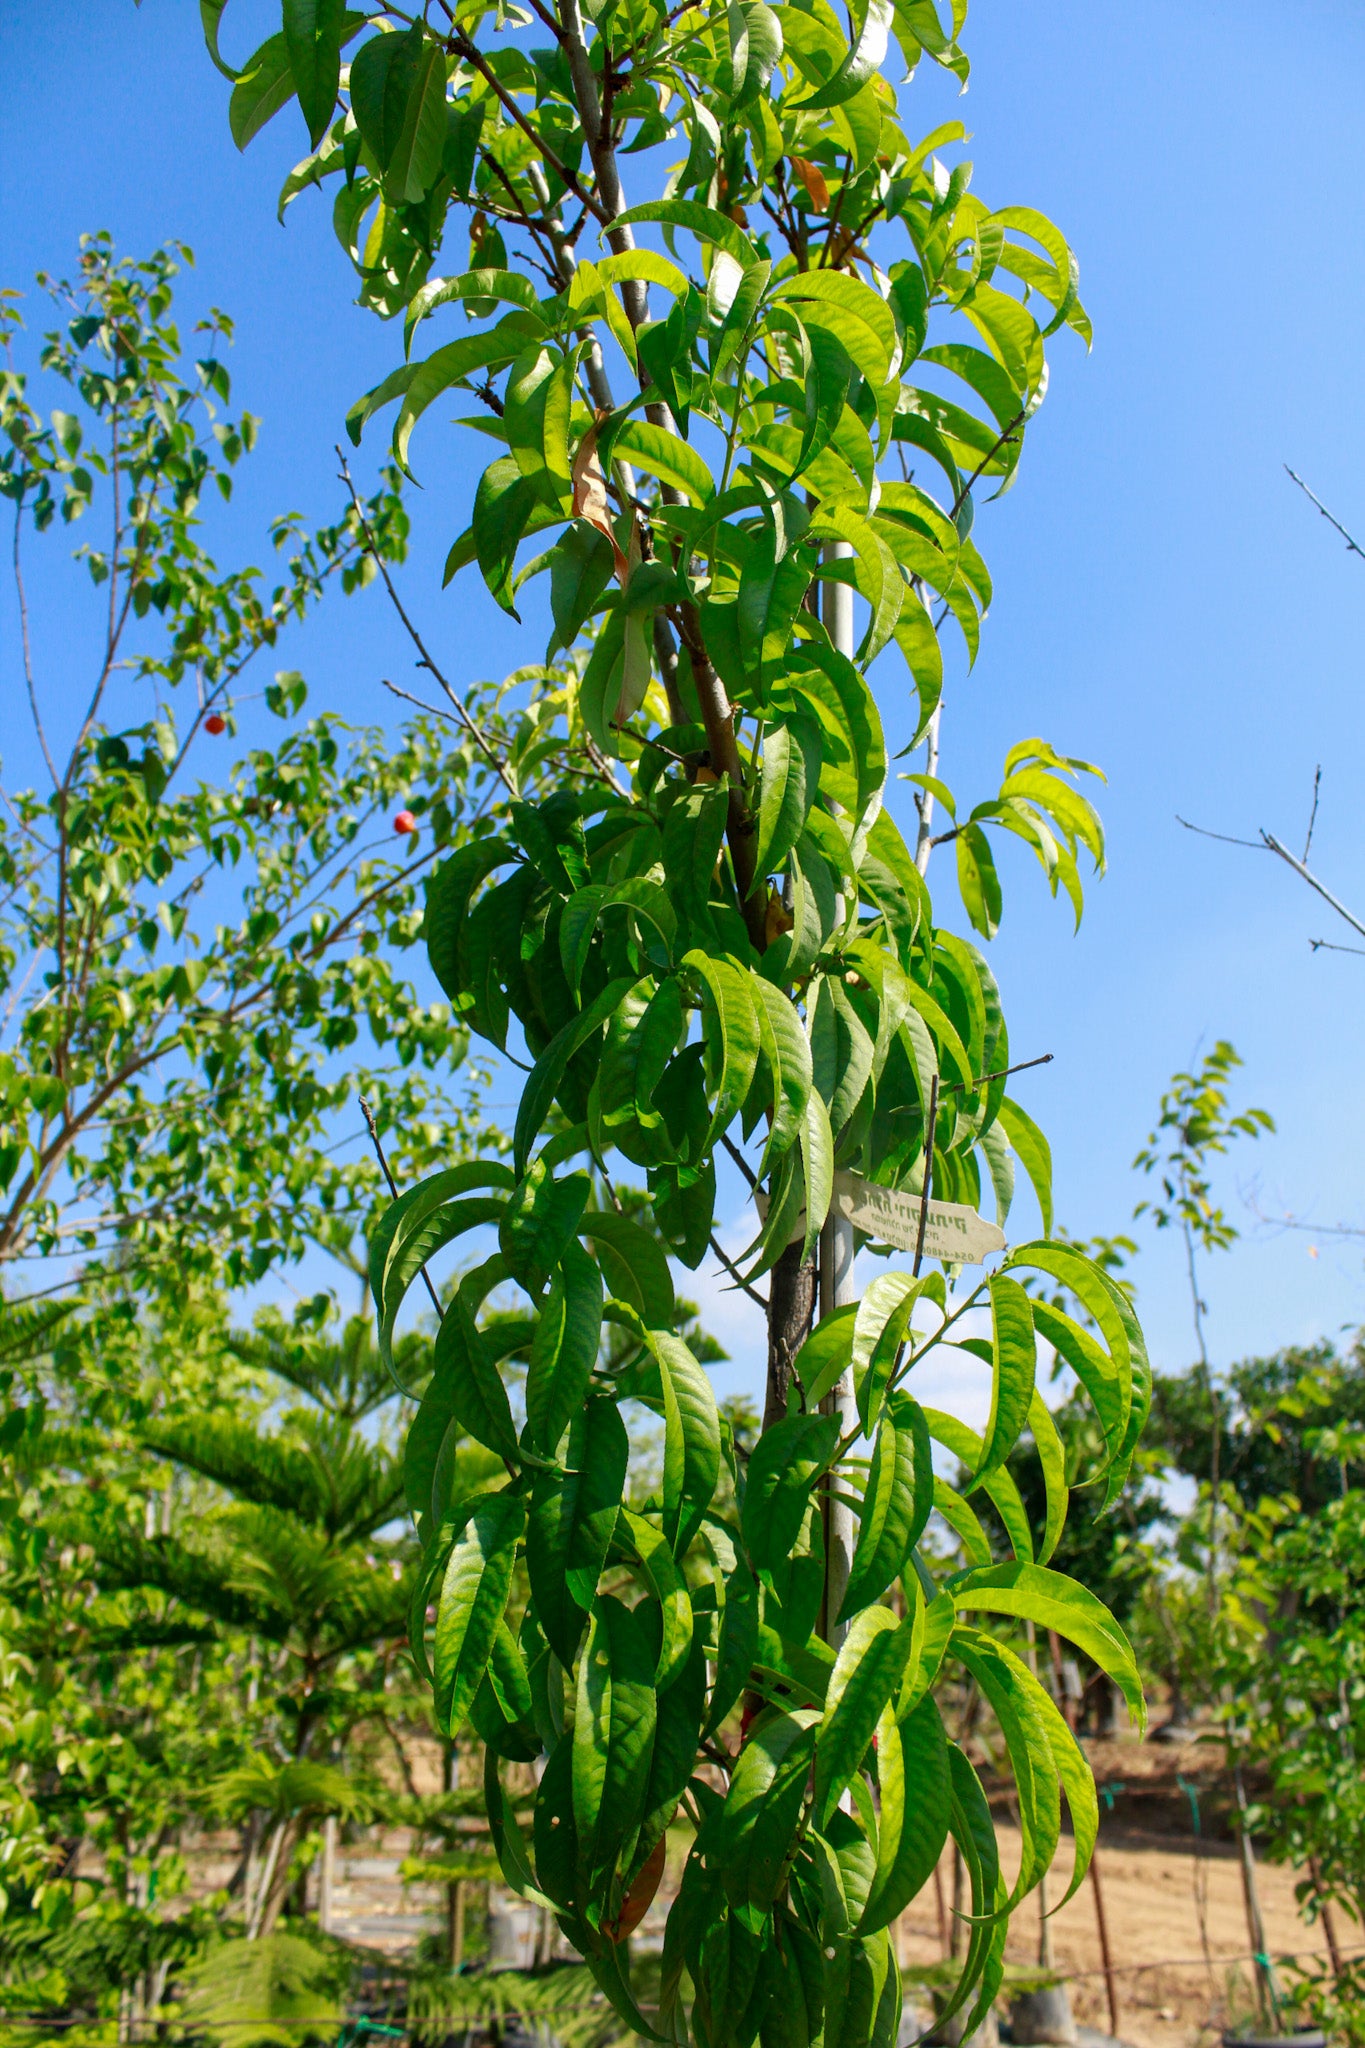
<point>640,1897</point>
<point>778,918</point>
<point>813,178</point>
<point>590,497</point>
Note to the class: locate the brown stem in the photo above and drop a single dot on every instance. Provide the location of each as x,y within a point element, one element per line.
<point>791,1313</point>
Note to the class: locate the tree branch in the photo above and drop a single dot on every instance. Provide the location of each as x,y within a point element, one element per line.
<point>470,724</point>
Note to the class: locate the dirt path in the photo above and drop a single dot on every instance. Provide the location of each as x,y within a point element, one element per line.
<point>1154,1922</point>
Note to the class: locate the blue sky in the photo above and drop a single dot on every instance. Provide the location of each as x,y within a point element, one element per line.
<point>1167,604</point>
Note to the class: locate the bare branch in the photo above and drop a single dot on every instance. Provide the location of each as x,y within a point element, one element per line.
<point>27,647</point>
<point>372,1128</point>
<point>1313,814</point>
<point>1353,547</point>
<point>740,1282</point>
<point>1306,874</point>
<point>1256,845</point>
<point>470,724</point>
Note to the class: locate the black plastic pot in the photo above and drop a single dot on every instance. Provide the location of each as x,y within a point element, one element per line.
<point>1310,2037</point>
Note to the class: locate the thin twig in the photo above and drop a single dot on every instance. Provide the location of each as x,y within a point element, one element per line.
<point>1256,845</point>
<point>740,1161</point>
<point>1331,518</point>
<point>472,727</point>
<point>432,710</point>
<point>999,1075</point>
<point>368,1115</point>
<point>981,1081</point>
<point>1313,814</point>
<point>1329,946</point>
<point>27,646</point>
<point>733,1270</point>
<point>464,48</point>
<point>1008,435</point>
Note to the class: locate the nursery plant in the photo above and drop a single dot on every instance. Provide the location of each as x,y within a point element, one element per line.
<point>747,351</point>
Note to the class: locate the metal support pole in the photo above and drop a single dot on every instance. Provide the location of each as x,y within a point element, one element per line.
<point>836,1238</point>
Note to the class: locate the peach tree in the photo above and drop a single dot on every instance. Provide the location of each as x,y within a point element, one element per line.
<point>741,415</point>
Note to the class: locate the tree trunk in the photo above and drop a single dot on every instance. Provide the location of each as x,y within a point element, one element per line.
<point>791,1311</point>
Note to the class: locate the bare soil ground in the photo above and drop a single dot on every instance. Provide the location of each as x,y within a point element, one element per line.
<point>1174,1901</point>
<point>1168,1894</point>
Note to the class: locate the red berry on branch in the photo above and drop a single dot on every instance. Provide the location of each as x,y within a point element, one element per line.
<point>405,822</point>
<point>215,723</point>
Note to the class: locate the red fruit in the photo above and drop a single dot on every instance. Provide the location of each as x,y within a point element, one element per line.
<point>405,822</point>
<point>215,723</point>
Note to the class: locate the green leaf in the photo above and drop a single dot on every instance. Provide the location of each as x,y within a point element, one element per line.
<point>1035,1152</point>
<point>508,1845</point>
<point>999,1486</point>
<point>786,1049</point>
<point>504,502</point>
<point>817,1164</point>
<point>1037,1788</point>
<point>702,221</point>
<point>962,1517</point>
<point>635,1265</point>
<point>1052,1457</point>
<point>548,1073</point>
<point>573,1519</point>
<point>791,782</point>
<point>880,1328</point>
<point>1051,1600</point>
<point>978,880</point>
<point>738,1642</point>
<point>449,366</point>
<point>752,1835</point>
<point>472,1601</point>
<point>477,1394</point>
<point>564,1349</point>
<point>825,1353</point>
<point>210,20</point>
<point>613,1740</point>
<point>677,1734</point>
<point>662,454</point>
<point>866,1678</point>
<point>859,318</point>
<point>974,1832</point>
<point>312,33</point>
<point>538,1224</point>
<point>913,1773</point>
<point>265,83</point>
<point>785,1466</point>
<point>862,62</point>
<point>733,1036</point>
<point>398,96</point>
<point>412,1229</point>
<point>670,1590</point>
<point>1013,1364</point>
<point>877,575</point>
<point>691,1440</point>
<point>896,1505</point>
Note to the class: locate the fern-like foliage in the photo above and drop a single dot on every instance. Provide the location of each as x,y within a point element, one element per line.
<point>318,1467</point>
<point>560,1999</point>
<point>279,1992</point>
<point>345,1376</point>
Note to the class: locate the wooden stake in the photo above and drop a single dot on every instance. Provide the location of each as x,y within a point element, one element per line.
<point>1106,1957</point>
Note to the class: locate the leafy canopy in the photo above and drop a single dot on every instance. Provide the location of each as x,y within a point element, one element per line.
<point>704,408</point>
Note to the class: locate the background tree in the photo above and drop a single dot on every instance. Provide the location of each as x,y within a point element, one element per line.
<point>184,961</point>
<point>734,944</point>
